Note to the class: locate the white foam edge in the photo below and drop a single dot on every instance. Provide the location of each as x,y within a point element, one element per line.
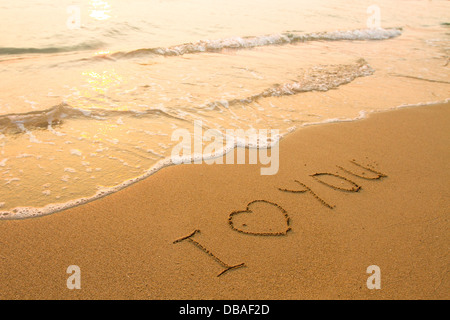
<point>363,114</point>
<point>19,213</point>
<point>31,212</point>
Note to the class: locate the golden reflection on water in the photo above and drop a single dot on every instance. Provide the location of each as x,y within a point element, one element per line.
<point>100,9</point>
<point>102,53</point>
<point>97,90</point>
<point>101,82</point>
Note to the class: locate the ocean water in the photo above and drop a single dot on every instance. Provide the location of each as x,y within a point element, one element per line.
<point>92,90</point>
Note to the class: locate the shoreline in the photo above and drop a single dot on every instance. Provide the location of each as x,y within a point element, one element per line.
<point>124,242</point>
<point>20,213</point>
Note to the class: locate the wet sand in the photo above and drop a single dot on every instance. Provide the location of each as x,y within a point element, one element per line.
<point>369,192</point>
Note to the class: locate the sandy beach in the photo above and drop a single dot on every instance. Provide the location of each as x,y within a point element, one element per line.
<point>347,196</point>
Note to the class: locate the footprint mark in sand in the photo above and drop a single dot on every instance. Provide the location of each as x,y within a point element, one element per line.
<point>279,226</point>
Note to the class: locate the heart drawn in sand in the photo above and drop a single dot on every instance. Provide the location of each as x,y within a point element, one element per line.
<point>261,218</point>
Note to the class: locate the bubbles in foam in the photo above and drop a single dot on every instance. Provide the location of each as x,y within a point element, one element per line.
<point>24,155</point>
<point>3,162</point>
<point>76,152</point>
<point>8,181</point>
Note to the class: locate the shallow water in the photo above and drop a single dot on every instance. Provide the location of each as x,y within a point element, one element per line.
<point>84,112</point>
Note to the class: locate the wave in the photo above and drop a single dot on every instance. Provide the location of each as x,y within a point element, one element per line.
<point>318,78</point>
<point>46,50</point>
<point>19,122</point>
<point>214,45</point>
<point>259,41</point>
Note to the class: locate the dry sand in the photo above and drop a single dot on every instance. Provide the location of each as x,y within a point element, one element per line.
<point>124,246</point>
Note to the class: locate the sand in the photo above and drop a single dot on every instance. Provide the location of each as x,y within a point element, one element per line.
<point>316,243</point>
